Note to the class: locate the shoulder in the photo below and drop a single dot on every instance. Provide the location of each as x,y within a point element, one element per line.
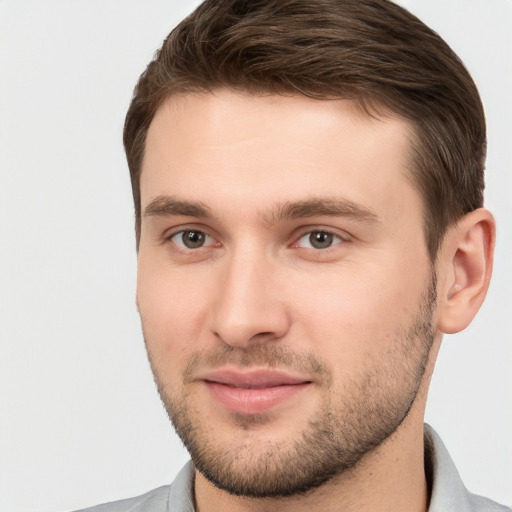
<point>481,504</point>
<point>153,501</point>
<point>448,493</point>
<point>179,496</point>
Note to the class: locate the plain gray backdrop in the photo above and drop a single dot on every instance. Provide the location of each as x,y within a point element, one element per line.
<point>80,420</point>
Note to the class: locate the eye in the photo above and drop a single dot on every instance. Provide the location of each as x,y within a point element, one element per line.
<point>318,240</point>
<point>192,239</point>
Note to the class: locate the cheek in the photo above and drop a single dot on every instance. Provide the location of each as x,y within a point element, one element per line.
<point>350,315</point>
<point>171,309</point>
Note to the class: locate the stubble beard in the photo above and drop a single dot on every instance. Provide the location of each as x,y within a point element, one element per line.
<point>349,424</point>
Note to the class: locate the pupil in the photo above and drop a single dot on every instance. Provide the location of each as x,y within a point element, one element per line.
<point>193,239</point>
<point>320,239</point>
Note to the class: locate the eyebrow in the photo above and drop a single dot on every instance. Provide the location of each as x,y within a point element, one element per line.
<point>331,207</point>
<point>163,206</point>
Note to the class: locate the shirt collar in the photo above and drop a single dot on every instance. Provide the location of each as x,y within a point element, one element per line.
<point>447,490</point>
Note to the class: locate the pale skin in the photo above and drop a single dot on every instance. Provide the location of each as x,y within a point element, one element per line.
<point>256,279</point>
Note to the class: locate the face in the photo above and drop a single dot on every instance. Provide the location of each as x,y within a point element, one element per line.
<point>284,285</point>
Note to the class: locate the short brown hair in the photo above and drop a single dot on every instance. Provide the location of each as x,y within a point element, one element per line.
<point>372,51</point>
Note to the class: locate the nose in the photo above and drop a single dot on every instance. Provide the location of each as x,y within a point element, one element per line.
<point>249,307</point>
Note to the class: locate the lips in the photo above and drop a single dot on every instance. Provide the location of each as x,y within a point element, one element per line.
<point>253,391</point>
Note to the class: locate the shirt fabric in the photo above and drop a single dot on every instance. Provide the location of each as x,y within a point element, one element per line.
<point>448,493</point>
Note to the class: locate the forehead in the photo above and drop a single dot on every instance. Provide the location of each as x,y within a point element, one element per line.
<point>223,146</point>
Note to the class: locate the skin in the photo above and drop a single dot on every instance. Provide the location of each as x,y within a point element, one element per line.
<point>346,318</point>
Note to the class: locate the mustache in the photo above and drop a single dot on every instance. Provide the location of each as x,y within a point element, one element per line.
<point>261,355</point>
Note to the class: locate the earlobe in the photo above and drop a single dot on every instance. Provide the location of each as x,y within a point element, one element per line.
<point>466,259</point>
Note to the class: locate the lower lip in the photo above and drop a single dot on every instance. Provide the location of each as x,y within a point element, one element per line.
<point>253,401</point>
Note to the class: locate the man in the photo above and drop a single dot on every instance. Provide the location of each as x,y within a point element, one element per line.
<point>308,181</point>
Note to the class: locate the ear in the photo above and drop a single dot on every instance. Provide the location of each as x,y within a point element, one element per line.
<point>465,266</point>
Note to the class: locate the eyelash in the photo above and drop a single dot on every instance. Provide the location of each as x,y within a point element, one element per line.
<point>333,239</point>
<point>171,237</point>
<point>330,234</point>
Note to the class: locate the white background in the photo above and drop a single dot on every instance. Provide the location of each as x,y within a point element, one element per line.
<point>80,420</point>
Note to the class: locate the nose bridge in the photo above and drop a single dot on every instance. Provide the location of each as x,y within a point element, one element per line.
<point>247,308</point>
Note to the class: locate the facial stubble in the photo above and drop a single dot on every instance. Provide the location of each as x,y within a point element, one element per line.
<point>348,425</point>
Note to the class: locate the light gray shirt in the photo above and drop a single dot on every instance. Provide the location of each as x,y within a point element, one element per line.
<point>448,493</point>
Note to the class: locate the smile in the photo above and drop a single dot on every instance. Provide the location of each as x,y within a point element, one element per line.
<point>253,392</point>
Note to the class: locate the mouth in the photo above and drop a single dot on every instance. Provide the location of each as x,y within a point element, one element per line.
<point>254,391</point>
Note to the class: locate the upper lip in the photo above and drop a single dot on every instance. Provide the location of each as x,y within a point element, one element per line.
<point>252,378</point>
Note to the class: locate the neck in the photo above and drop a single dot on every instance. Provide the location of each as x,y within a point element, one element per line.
<point>390,478</point>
